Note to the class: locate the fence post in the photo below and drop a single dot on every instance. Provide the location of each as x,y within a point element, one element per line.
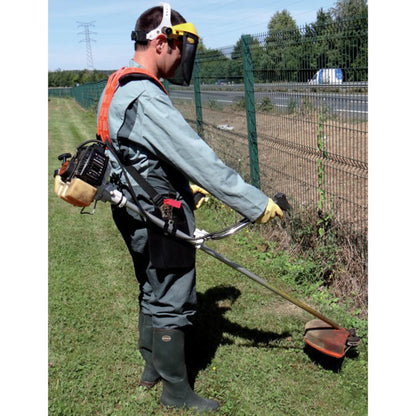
<point>250,109</point>
<point>197,95</point>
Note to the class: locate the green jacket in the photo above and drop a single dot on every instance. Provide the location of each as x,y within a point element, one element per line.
<point>151,134</point>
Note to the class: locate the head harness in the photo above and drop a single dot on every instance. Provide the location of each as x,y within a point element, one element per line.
<point>185,33</point>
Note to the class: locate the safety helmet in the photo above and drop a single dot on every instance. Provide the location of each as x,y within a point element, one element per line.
<point>185,33</point>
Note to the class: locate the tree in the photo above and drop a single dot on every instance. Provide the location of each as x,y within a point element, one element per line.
<point>338,38</point>
<point>235,70</point>
<point>323,20</point>
<point>283,47</point>
<point>72,78</point>
<point>351,17</point>
<point>281,22</point>
<point>213,64</point>
<point>347,9</point>
<point>314,44</point>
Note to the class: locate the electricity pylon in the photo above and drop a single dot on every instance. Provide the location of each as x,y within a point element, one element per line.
<point>87,39</point>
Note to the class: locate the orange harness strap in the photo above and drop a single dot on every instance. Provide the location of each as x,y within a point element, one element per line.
<point>111,87</point>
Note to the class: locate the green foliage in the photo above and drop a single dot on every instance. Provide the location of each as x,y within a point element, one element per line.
<point>266,105</point>
<point>214,105</point>
<point>306,107</point>
<point>291,106</point>
<point>282,44</point>
<point>240,104</point>
<point>73,78</point>
<point>213,65</point>
<point>280,22</point>
<point>347,9</point>
<point>325,219</point>
<point>291,54</point>
<point>339,38</point>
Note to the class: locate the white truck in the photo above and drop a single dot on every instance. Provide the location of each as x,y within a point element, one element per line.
<point>328,76</point>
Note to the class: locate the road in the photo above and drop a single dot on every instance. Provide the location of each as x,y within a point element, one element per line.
<point>346,104</point>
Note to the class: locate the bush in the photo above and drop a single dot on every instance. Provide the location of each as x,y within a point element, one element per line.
<point>266,105</point>
<point>214,105</point>
<point>291,106</point>
<point>240,104</point>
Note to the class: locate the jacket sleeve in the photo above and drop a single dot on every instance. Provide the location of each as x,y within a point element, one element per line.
<point>162,130</point>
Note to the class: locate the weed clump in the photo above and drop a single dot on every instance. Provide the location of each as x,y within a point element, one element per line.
<point>313,250</point>
<point>334,257</point>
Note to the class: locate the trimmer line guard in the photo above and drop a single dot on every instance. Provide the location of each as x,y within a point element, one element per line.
<point>331,341</point>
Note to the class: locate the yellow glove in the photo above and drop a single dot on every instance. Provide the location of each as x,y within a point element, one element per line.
<point>270,212</point>
<point>197,189</point>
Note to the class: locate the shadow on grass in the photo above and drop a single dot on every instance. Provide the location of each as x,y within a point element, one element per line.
<point>207,334</point>
<point>327,362</point>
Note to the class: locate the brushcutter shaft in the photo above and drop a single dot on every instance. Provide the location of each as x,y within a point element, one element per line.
<point>226,232</point>
<point>262,282</point>
<point>109,193</point>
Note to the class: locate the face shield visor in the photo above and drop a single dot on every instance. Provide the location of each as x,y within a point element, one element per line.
<point>186,38</point>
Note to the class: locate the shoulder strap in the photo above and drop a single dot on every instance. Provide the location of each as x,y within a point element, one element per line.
<point>120,77</point>
<point>156,198</point>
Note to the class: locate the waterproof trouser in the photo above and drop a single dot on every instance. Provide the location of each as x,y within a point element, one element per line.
<point>169,296</point>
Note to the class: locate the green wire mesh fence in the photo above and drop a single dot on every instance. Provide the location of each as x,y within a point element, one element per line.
<point>309,100</point>
<point>87,95</point>
<point>288,111</point>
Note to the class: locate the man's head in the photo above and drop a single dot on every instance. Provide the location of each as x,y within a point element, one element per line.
<point>164,41</point>
<point>149,21</point>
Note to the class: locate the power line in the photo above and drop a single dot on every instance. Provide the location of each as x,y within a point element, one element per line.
<point>87,39</point>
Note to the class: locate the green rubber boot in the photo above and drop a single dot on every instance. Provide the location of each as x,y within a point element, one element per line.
<point>150,376</point>
<point>169,361</point>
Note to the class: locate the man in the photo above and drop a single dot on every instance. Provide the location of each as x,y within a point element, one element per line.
<point>149,134</point>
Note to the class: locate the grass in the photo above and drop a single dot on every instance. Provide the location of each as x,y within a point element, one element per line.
<point>248,350</point>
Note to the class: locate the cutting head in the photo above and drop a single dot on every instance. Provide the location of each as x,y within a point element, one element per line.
<point>331,341</point>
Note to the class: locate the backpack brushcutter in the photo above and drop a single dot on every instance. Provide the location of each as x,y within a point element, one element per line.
<point>82,179</point>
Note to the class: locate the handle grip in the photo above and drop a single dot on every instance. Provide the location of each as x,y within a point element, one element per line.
<point>64,157</point>
<point>281,200</point>
<point>197,197</point>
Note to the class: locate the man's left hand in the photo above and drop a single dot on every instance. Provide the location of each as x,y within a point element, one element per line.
<point>198,190</point>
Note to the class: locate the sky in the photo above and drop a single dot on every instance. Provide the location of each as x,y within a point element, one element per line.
<point>220,23</point>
